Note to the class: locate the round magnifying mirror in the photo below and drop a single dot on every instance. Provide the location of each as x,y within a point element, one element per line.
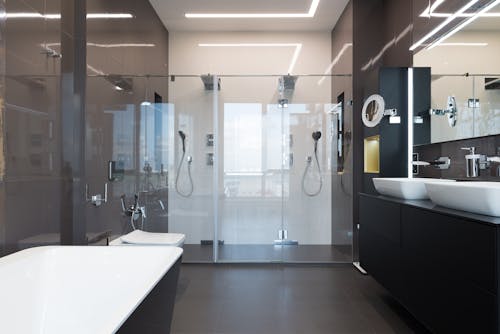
<point>373,110</point>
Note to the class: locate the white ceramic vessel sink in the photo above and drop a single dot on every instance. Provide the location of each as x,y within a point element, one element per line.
<point>405,188</point>
<point>477,197</point>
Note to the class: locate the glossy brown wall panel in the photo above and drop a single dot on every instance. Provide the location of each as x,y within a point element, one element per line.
<point>382,37</point>
<point>31,183</point>
<point>131,49</point>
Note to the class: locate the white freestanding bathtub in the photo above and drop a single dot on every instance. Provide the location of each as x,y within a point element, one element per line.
<point>79,289</point>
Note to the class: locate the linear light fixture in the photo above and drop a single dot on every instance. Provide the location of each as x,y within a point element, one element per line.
<point>309,14</point>
<point>463,24</point>
<point>118,45</point>
<point>410,123</point>
<point>496,14</point>
<point>33,15</point>
<point>443,24</point>
<point>462,44</point>
<point>295,57</point>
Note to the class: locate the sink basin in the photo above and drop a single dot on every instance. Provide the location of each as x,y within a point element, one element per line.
<point>405,188</point>
<point>477,197</point>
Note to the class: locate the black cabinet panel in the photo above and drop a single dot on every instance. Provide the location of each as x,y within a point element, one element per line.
<point>381,216</point>
<point>442,268</point>
<point>461,248</point>
<point>379,242</point>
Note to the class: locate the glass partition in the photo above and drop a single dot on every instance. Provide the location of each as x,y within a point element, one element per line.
<point>257,165</point>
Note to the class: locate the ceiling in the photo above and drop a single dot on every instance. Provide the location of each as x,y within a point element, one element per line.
<point>487,23</point>
<point>171,12</point>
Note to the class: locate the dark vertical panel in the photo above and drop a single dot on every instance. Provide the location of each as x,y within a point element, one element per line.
<point>422,104</point>
<point>382,37</point>
<point>2,131</point>
<point>393,86</point>
<point>73,82</point>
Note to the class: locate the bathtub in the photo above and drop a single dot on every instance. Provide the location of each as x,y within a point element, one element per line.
<point>88,289</point>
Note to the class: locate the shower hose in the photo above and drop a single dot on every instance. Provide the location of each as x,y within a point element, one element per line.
<point>308,167</point>
<point>191,186</point>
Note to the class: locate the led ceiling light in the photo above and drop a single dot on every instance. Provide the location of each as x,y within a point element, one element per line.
<point>58,16</point>
<point>295,57</point>
<point>309,14</point>
<point>463,24</point>
<point>429,12</point>
<point>463,44</point>
<point>443,24</point>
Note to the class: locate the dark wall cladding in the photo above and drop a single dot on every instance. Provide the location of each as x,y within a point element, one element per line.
<point>32,180</point>
<point>122,53</point>
<point>31,165</point>
<point>489,146</point>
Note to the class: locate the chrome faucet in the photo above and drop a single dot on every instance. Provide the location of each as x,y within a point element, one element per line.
<point>475,162</point>
<point>472,162</point>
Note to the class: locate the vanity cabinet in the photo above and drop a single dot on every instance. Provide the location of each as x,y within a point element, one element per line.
<point>438,263</point>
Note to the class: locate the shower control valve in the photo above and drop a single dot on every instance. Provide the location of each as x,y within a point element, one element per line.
<point>135,211</point>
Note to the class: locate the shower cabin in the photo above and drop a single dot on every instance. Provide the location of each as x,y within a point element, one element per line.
<point>247,167</point>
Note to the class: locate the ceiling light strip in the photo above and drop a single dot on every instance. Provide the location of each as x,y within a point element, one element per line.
<point>443,24</point>
<point>463,44</point>
<point>463,24</point>
<point>310,13</point>
<point>22,15</point>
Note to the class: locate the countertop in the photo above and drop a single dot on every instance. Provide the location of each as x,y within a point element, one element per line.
<point>430,206</point>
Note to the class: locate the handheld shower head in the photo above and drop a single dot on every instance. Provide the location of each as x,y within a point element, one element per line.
<point>183,138</point>
<point>316,135</point>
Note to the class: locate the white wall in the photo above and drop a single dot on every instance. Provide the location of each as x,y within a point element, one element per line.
<point>445,60</point>
<point>251,220</point>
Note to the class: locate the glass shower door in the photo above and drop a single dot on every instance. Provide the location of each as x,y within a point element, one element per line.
<point>251,170</point>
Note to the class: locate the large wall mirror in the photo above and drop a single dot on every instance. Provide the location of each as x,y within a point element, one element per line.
<point>464,57</point>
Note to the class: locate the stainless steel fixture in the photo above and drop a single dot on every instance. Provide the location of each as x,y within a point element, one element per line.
<point>472,162</point>
<point>97,199</point>
<point>450,111</point>
<point>476,162</point>
<point>439,163</point>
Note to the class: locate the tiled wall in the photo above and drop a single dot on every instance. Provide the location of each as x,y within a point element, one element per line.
<point>489,146</point>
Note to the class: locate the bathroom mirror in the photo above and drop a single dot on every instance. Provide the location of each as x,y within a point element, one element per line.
<point>373,110</point>
<point>463,57</point>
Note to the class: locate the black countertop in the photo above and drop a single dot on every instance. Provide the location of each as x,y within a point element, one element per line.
<point>430,206</point>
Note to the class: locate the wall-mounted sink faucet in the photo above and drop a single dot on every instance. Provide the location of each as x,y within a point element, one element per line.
<point>439,163</point>
<point>475,162</point>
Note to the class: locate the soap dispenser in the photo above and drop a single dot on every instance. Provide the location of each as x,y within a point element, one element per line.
<point>472,161</point>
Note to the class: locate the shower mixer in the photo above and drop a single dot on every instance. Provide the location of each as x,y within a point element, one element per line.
<point>316,135</point>
<point>134,211</point>
<point>189,161</point>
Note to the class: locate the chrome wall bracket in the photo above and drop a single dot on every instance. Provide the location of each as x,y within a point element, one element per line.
<point>98,199</point>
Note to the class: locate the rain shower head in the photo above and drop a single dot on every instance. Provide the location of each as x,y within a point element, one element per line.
<point>316,135</point>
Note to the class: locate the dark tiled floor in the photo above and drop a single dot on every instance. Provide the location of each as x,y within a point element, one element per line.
<point>270,298</point>
<point>263,253</point>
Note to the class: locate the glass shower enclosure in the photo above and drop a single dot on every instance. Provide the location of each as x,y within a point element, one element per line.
<point>245,166</point>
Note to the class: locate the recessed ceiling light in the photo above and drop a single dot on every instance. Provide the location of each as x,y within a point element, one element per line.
<point>295,57</point>
<point>58,16</point>
<point>309,14</point>
<point>463,44</point>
